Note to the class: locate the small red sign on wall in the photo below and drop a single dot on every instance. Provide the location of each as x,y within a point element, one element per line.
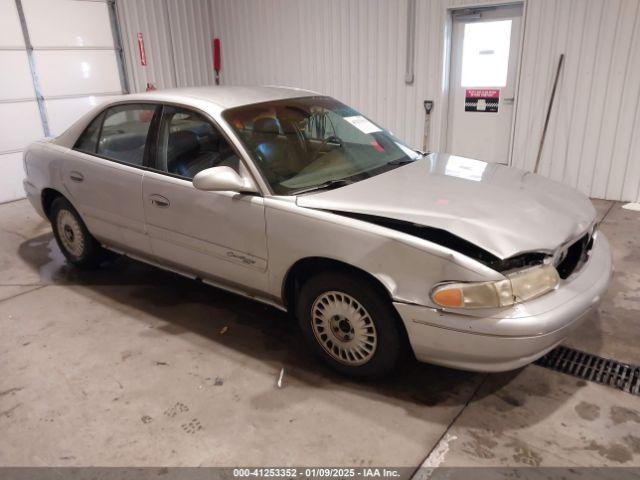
<point>143,55</point>
<point>481,100</point>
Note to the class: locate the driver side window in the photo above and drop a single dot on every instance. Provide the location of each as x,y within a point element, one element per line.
<point>189,143</point>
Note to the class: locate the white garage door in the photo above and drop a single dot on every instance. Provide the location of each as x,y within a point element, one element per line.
<point>73,65</point>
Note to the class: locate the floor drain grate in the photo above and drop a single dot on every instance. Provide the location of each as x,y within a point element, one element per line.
<point>591,367</point>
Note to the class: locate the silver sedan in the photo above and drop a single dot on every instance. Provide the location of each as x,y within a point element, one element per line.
<point>294,199</point>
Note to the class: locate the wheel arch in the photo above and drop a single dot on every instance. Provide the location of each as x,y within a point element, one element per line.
<point>47,198</point>
<point>305,268</point>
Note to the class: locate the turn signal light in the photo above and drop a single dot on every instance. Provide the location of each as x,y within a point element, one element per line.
<point>449,297</point>
<point>518,287</point>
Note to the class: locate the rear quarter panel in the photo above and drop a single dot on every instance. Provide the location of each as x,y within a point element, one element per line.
<point>43,165</point>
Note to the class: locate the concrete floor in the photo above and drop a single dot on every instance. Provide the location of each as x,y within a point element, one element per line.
<point>129,365</point>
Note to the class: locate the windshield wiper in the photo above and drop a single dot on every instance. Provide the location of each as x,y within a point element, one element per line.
<point>400,161</point>
<point>329,184</point>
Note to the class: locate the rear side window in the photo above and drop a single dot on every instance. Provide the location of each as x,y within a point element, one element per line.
<point>88,141</point>
<point>124,133</point>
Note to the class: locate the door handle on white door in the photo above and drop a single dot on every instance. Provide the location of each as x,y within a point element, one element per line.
<point>509,100</point>
<point>159,201</point>
<point>76,176</point>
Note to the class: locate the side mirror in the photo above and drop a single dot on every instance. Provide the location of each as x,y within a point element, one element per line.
<point>222,179</point>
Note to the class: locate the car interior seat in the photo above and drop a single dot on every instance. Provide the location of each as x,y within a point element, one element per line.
<point>185,155</point>
<point>275,152</point>
<point>125,147</point>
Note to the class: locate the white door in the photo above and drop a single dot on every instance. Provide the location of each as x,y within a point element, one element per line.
<point>482,86</point>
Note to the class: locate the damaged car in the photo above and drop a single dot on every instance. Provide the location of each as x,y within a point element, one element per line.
<point>296,200</point>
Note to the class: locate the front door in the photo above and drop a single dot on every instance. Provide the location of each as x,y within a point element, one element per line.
<point>219,236</point>
<point>482,87</point>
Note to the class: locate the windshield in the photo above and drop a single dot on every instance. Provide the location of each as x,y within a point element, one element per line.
<point>309,142</point>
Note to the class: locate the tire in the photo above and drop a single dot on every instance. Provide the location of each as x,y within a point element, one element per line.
<point>350,325</point>
<point>74,240</point>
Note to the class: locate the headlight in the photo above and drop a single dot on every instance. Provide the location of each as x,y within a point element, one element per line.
<point>518,287</point>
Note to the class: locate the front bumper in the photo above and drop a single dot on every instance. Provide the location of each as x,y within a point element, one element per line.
<point>508,339</point>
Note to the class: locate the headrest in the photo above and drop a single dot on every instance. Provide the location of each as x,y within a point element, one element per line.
<point>268,125</point>
<point>122,141</point>
<point>288,125</point>
<point>183,141</point>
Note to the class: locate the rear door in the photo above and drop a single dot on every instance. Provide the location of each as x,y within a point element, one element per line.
<point>220,236</point>
<point>103,174</point>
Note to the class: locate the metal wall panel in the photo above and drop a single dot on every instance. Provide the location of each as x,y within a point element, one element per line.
<point>352,50</point>
<point>177,38</point>
<point>192,34</point>
<point>17,84</point>
<point>10,31</point>
<point>68,23</point>
<point>594,131</point>
<point>355,51</point>
<point>151,19</point>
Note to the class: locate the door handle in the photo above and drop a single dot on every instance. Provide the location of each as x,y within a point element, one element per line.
<point>76,176</point>
<point>159,201</point>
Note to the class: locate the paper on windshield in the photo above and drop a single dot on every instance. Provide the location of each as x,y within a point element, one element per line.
<point>362,124</point>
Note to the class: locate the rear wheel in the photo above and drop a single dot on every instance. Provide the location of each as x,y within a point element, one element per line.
<point>72,236</point>
<point>350,324</point>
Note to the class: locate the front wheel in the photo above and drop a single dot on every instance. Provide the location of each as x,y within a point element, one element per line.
<point>350,324</point>
<point>72,236</point>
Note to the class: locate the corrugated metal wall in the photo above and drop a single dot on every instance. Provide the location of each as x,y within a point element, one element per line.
<point>355,51</point>
<point>594,132</point>
<point>192,33</point>
<point>151,19</point>
<point>177,37</point>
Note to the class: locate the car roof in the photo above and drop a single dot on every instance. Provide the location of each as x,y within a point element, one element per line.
<point>225,96</point>
<point>213,99</point>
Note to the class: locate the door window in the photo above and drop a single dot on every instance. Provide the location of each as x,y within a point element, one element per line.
<point>88,141</point>
<point>189,143</point>
<point>485,54</point>
<point>124,133</point>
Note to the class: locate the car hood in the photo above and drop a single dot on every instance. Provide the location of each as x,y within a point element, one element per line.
<point>504,210</point>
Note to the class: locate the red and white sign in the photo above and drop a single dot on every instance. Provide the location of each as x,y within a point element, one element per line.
<point>482,93</point>
<point>481,100</point>
<point>143,55</point>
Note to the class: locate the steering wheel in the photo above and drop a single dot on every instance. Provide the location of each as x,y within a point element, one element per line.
<point>325,142</point>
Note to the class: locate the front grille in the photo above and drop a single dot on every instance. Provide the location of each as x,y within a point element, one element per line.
<point>576,254</point>
<point>590,367</point>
